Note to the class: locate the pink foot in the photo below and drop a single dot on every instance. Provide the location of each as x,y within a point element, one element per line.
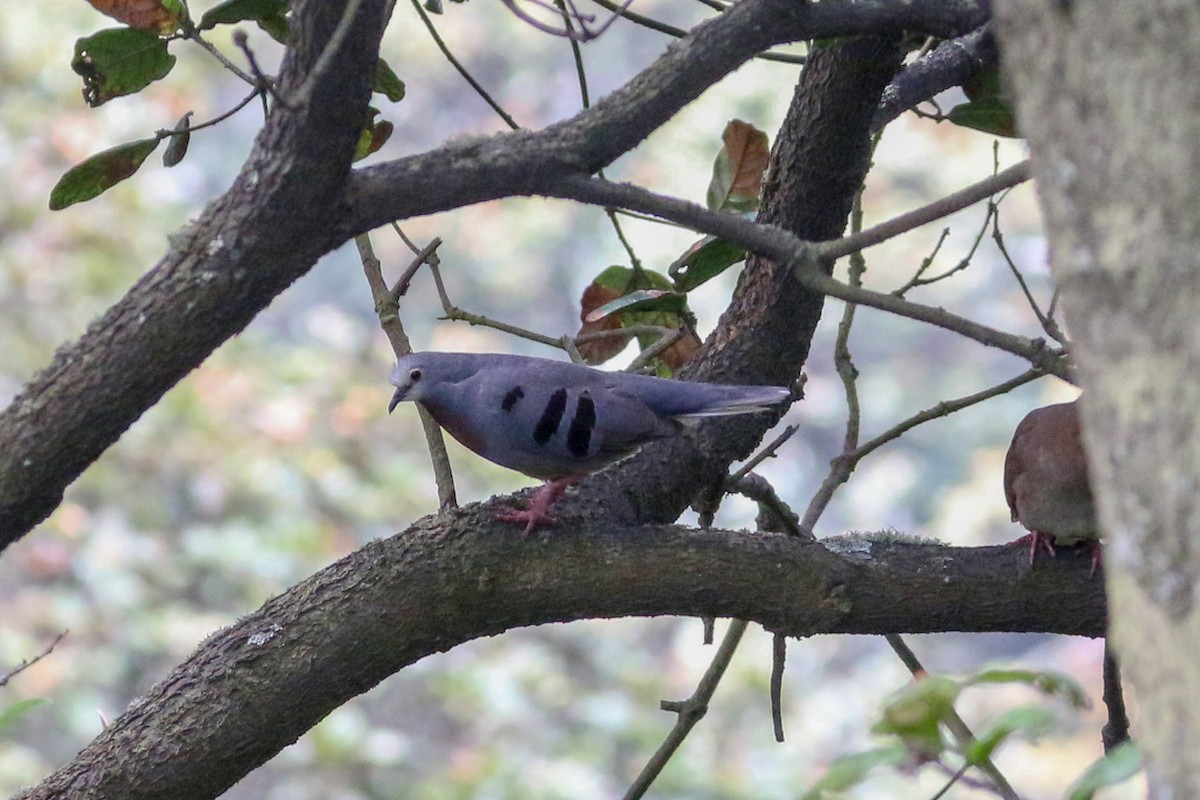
<point>535,513</point>
<point>1034,538</point>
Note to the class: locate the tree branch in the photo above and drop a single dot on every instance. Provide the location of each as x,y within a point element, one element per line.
<point>255,687</point>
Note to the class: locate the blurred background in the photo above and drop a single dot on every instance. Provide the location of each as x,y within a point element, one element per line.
<point>277,457</point>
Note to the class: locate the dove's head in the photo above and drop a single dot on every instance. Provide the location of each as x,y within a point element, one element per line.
<point>417,374</point>
<point>409,377</point>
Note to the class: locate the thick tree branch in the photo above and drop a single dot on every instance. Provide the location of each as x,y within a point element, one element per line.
<point>951,63</point>
<point>253,688</point>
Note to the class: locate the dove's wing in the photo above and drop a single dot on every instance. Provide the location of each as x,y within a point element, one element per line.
<point>552,419</point>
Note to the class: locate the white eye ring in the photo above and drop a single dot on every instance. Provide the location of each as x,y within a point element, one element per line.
<point>414,375</point>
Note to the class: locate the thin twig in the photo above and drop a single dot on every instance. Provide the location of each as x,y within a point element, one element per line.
<point>329,52</point>
<point>778,661</point>
<point>388,309</point>
<point>943,207</point>
<point>758,489</point>
<point>1116,730</point>
<point>212,50</point>
<point>679,33</point>
<point>765,453</point>
<point>454,62</point>
<point>845,464</point>
<point>689,711</point>
<point>164,133</point>
<point>29,662</point>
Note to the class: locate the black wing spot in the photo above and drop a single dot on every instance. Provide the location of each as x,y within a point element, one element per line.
<point>579,437</point>
<point>548,424</point>
<point>510,399</point>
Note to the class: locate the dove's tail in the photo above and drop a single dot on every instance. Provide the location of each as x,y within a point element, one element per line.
<point>685,399</point>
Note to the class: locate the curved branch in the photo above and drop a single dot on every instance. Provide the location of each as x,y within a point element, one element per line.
<point>527,163</point>
<point>252,689</point>
<point>951,63</point>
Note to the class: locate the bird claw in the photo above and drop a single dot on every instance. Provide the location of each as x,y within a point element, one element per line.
<point>1034,538</point>
<point>534,514</point>
<point>531,517</point>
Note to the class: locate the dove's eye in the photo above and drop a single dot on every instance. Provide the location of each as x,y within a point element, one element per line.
<point>414,375</point>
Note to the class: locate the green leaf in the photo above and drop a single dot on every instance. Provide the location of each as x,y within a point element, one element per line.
<point>703,261</point>
<point>984,84</point>
<point>1121,764</point>
<point>100,172</point>
<point>622,279</point>
<point>10,715</point>
<point>119,61</point>
<point>847,772</point>
<point>916,712</point>
<point>277,26</point>
<point>991,115</point>
<point>373,136</point>
<point>1051,683</point>
<point>234,11</point>
<point>387,83</point>
<point>739,168</point>
<point>1032,721</point>
<point>641,300</point>
<point>177,144</point>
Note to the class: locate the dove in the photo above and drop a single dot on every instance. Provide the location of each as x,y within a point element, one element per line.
<point>1046,481</point>
<point>555,420</point>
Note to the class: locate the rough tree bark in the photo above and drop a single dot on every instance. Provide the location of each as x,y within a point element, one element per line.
<point>1107,95</point>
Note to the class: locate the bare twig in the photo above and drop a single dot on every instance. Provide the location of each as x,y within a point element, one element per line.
<point>679,33</point>
<point>944,207</point>
<point>29,662</point>
<point>422,257</point>
<point>1116,730</point>
<point>765,453</point>
<point>769,502</point>
<point>329,52</point>
<point>388,309</point>
<point>778,661</point>
<point>212,50</point>
<point>462,70</point>
<point>690,711</point>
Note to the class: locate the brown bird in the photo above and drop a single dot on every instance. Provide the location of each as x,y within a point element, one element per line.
<point>1046,481</point>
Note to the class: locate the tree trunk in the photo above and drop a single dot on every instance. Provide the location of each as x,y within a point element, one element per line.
<point>1108,98</point>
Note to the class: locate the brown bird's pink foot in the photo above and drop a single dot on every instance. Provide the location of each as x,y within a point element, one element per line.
<point>1035,539</point>
<point>535,513</point>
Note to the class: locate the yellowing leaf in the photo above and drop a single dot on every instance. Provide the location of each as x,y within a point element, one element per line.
<point>143,15</point>
<point>738,171</point>
<point>100,172</point>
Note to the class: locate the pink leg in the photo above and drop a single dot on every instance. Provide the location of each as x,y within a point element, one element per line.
<point>535,513</point>
<point>1035,539</point>
<point>1095,545</point>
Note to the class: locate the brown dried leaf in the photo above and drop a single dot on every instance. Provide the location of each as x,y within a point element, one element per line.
<point>599,350</point>
<point>148,15</point>
<point>681,352</point>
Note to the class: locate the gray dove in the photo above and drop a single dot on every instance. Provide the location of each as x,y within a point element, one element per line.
<point>555,420</point>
